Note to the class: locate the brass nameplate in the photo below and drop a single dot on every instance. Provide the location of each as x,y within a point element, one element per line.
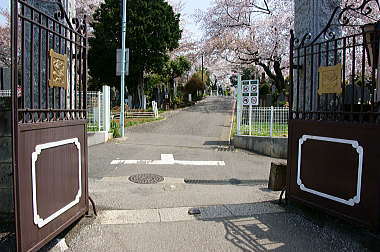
<point>58,70</point>
<point>330,80</point>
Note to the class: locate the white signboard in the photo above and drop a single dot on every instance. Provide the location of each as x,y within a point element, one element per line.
<point>118,62</point>
<point>250,92</point>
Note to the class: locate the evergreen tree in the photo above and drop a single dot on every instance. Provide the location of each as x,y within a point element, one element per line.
<point>152,31</point>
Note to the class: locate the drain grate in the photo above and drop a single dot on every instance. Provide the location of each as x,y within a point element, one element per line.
<point>232,181</point>
<point>224,148</point>
<point>146,178</point>
<point>213,182</point>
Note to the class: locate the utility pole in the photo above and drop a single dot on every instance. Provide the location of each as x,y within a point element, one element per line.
<point>122,79</point>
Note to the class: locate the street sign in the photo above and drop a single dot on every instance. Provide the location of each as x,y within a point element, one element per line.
<point>250,92</point>
<point>118,62</point>
<point>247,96</point>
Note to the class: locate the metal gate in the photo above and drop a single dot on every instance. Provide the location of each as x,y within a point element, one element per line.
<point>334,128</point>
<point>49,73</point>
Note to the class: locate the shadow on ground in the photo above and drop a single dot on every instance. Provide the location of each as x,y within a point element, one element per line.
<point>293,229</point>
<point>223,143</point>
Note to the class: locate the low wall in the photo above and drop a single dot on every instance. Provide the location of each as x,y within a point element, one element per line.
<point>276,147</point>
<point>94,138</point>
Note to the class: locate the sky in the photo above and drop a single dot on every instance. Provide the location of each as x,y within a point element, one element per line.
<point>190,9</point>
<point>4,4</point>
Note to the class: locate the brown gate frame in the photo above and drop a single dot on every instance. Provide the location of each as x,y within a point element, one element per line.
<point>333,152</point>
<point>49,123</point>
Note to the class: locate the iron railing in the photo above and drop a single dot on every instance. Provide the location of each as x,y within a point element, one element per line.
<point>40,33</point>
<point>355,53</point>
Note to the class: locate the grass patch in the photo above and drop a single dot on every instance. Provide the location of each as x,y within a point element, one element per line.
<point>261,129</point>
<point>234,127</point>
<point>91,127</point>
<point>129,122</point>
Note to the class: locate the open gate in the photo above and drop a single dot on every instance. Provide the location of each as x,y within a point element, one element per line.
<point>334,131</point>
<point>49,73</point>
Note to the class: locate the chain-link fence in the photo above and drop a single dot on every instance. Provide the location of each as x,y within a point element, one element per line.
<point>263,121</point>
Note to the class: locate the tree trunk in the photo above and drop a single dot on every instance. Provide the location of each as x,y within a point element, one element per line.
<point>171,91</point>
<point>140,89</point>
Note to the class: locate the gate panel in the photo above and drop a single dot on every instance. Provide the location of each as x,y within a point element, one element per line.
<point>334,119</point>
<point>50,169</point>
<point>336,172</point>
<point>49,82</point>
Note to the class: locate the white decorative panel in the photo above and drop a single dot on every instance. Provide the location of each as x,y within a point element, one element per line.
<point>359,151</point>
<point>37,219</point>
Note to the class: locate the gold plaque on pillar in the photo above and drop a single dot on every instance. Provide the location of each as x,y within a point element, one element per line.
<point>58,70</point>
<point>330,80</point>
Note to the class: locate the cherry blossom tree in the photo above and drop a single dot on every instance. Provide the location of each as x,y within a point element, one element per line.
<point>247,32</point>
<point>87,7</point>
<point>256,32</point>
<point>360,12</point>
<point>351,16</point>
<point>5,39</point>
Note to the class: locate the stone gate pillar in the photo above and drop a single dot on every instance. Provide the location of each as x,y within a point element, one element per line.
<point>311,16</point>
<point>6,176</point>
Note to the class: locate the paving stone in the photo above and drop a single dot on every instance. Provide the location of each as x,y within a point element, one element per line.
<point>176,214</point>
<point>213,212</point>
<point>254,209</point>
<point>115,217</point>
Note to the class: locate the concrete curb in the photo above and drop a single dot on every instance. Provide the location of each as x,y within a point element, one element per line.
<point>276,147</point>
<point>140,216</point>
<point>94,138</point>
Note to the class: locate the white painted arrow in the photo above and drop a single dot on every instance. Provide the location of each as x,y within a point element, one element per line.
<point>168,159</point>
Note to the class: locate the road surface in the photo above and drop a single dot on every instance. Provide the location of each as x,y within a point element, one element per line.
<point>187,151</point>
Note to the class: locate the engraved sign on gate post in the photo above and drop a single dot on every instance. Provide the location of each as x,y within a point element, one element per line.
<point>330,80</point>
<point>58,70</point>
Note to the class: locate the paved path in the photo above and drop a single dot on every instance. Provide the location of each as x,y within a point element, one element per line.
<point>192,134</point>
<point>237,211</point>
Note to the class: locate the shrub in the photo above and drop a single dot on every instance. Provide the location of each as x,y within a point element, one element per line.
<point>115,129</point>
<point>193,85</point>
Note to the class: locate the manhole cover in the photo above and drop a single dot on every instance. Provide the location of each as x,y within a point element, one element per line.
<point>146,179</point>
